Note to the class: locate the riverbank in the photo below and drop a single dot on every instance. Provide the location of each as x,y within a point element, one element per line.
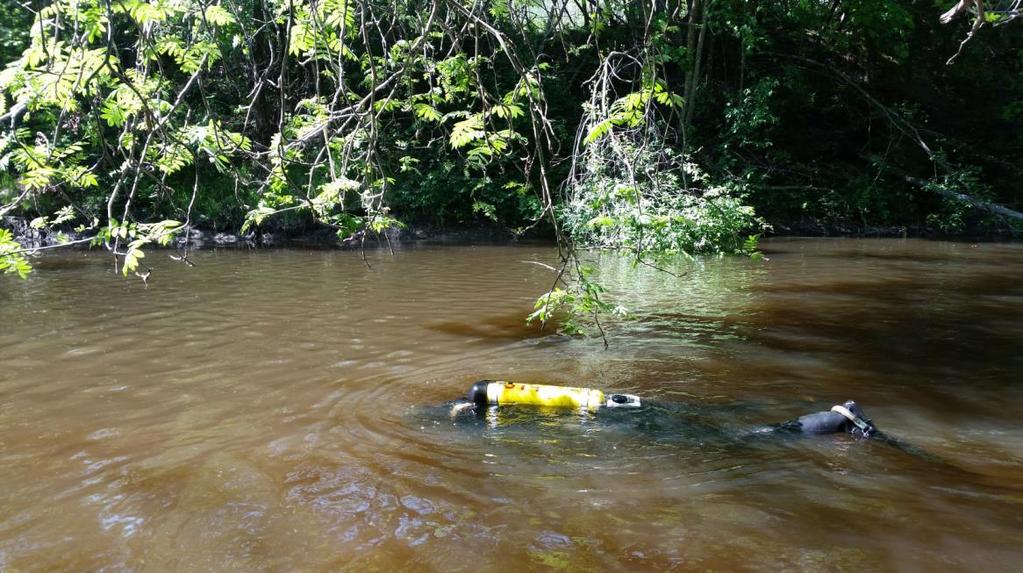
<point>312,237</point>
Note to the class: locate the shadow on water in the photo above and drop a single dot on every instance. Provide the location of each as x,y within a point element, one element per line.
<point>86,260</point>
<point>935,333</point>
<point>510,326</point>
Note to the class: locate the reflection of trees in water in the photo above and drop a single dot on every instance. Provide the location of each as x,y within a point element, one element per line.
<point>696,301</point>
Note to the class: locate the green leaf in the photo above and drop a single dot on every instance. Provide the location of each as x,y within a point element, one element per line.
<point>38,178</point>
<point>218,16</point>
<point>427,112</point>
<point>12,261</point>
<point>467,131</point>
<point>598,131</point>
<point>506,111</point>
<point>257,216</point>
<point>131,260</point>
<point>301,39</point>
<point>112,113</point>
<point>485,209</point>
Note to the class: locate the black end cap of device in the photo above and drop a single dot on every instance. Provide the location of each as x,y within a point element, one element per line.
<point>478,393</point>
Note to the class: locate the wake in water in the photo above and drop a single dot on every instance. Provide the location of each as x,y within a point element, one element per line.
<point>662,424</point>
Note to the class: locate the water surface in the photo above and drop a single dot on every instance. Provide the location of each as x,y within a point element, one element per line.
<point>286,411</point>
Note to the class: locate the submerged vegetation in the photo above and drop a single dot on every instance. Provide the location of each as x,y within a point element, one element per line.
<point>655,128</point>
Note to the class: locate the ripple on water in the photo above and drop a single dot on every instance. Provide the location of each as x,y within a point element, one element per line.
<point>104,433</point>
<point>286,410</point>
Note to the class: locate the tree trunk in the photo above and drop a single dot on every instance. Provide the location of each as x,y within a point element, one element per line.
<point>695,52</point>
<point>993,208</point>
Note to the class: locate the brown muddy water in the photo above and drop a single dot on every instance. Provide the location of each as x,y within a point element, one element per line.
<point>288,411</point>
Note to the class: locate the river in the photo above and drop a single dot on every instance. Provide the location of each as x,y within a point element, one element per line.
<point>277,410</point>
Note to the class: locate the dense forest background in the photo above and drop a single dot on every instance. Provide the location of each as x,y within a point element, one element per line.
<point>655,127</point>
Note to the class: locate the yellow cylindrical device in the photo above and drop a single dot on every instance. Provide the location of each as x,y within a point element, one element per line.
<point>496,392</point>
